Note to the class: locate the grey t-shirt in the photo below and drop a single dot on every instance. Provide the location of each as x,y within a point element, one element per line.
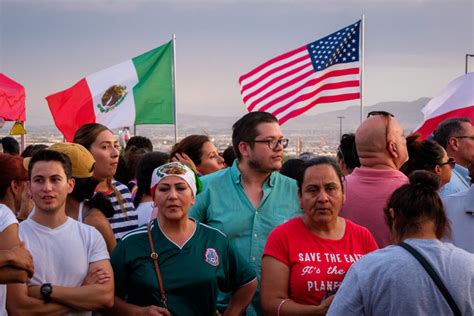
<point>391,281</point>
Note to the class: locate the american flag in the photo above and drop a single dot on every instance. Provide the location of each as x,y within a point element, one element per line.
<point>324,71</point>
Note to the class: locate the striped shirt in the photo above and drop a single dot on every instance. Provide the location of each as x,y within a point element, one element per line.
<point>122,222</point>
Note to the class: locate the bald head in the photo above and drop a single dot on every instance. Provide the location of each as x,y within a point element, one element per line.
<point>370,136</point>
<point>380,142</point>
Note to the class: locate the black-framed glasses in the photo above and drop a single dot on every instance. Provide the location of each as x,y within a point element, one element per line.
<point>382,113</point>
<point>451,162</point>
<point>273,143</point>
<point>464,136</point>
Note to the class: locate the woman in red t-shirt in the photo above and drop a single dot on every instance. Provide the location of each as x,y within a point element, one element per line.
<point>307,257</point>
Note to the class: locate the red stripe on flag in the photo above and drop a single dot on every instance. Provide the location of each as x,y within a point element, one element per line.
<point>271,61</point>
<point>430,125</point>
<point>72,108</point>
<point>280,99</point>
<point>324,99</point>
<point>325,87</point>
<point>288,66</point>
<point>279,78</point>
<point>276,89</point>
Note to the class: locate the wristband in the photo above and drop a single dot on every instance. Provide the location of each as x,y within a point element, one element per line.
<point>281,304</point>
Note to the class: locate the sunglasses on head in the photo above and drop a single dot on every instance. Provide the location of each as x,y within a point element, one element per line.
<point>382,113</point>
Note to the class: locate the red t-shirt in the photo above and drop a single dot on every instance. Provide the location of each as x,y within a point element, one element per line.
<point>317,265</point>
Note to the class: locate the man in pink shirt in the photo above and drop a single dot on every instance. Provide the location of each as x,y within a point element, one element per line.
<point>382,150</point>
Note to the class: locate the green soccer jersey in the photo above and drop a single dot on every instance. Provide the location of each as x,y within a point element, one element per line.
<point>191,275</point>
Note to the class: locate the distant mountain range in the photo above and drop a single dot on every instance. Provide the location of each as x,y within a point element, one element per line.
<point>407,113</point>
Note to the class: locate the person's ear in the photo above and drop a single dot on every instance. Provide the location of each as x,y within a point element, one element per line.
<point>15,186</point>
<point>437,170</point>
<point>453,143</point>
<point>244,149</point>
<point>392,149</point>
<point>71,182</point>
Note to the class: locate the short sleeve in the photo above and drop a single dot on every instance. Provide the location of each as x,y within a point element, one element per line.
<point>239,272</point>
<point>6,218</point>
<point>117,259</point>
<point>98,250</point>
<point>277,245</point>
<point>369,241</point>
<point>348,299</point>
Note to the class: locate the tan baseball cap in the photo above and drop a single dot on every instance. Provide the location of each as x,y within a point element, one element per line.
<point>81,159</point>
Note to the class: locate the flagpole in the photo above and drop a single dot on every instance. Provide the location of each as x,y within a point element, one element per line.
<point>173,84</point>
<point>362,51</point>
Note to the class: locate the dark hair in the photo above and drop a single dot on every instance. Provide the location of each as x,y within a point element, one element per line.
<point>191,146</point>
<point>423,155</point>
<point>414,203</point>
<point>321,160</point>
<point>245,129</point>
<point>51,155</point>
<point>347,151</point>
<point>132,159</point>
<point>88,133</point>
<point>139,142</point>
<point>85,136</point>
<point>84,190</point>
<point>12,169</point>
<point>145,168</point>
<point>292,168</point>
<point>32,149</point>
<point>10,145</point>
<point>229,156</point>
<point>448,128</point>
<point>121,174</point>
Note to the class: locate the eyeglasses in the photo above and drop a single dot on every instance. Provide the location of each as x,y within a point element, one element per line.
<point>273,143</point>
<point>451,162</point>
<point>470,137</point>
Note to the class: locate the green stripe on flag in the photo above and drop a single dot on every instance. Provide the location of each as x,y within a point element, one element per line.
<point>153,93</point>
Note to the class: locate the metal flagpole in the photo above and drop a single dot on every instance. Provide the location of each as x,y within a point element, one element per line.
<point>361,72</point>
<point>173,84</point>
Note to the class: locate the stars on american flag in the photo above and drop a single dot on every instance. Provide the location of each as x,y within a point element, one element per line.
<point>339,47</point>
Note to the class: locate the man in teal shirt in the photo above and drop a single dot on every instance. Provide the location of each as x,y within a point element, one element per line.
<point>249,199</point>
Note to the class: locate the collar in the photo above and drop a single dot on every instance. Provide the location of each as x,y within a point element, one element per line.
<point>462,171</point>
<point>237,175</point>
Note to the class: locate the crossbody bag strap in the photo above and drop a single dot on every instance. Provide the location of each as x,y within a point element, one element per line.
<point>434,276</point>
<point>154,257</point>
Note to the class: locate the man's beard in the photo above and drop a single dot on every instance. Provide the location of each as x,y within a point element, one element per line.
<point>258,167</point>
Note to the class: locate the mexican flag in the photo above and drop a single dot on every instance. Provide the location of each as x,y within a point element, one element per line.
<point>137,91</point>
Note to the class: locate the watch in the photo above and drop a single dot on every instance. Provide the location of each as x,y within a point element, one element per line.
<point>46,289</point>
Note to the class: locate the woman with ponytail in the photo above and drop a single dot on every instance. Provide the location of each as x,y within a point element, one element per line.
<point>392,281</point>
<point>102,144</point>
<point>430,156</point>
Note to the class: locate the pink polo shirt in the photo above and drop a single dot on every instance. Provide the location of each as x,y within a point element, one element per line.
<point>367,192</point>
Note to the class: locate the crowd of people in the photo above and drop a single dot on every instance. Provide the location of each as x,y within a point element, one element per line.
<point>384,226</point>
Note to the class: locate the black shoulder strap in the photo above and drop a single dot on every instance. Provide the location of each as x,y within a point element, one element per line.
<point>437,280</point>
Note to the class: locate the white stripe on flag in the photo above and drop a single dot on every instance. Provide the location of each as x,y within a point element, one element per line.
<point>123,74</point>
<point>323,93</point>
<point>308,89</point>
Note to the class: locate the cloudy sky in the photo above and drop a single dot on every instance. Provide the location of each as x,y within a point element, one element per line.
<point>413,47</point>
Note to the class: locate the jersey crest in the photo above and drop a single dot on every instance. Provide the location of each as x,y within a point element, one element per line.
<point>212,257</point>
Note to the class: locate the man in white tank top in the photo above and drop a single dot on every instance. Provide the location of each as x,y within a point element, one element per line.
<point>72,269</point>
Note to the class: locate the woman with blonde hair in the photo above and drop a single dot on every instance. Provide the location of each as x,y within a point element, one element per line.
<point>103,146</point>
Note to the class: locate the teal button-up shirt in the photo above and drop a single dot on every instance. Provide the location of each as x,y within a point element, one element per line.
<point>224,205</point>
